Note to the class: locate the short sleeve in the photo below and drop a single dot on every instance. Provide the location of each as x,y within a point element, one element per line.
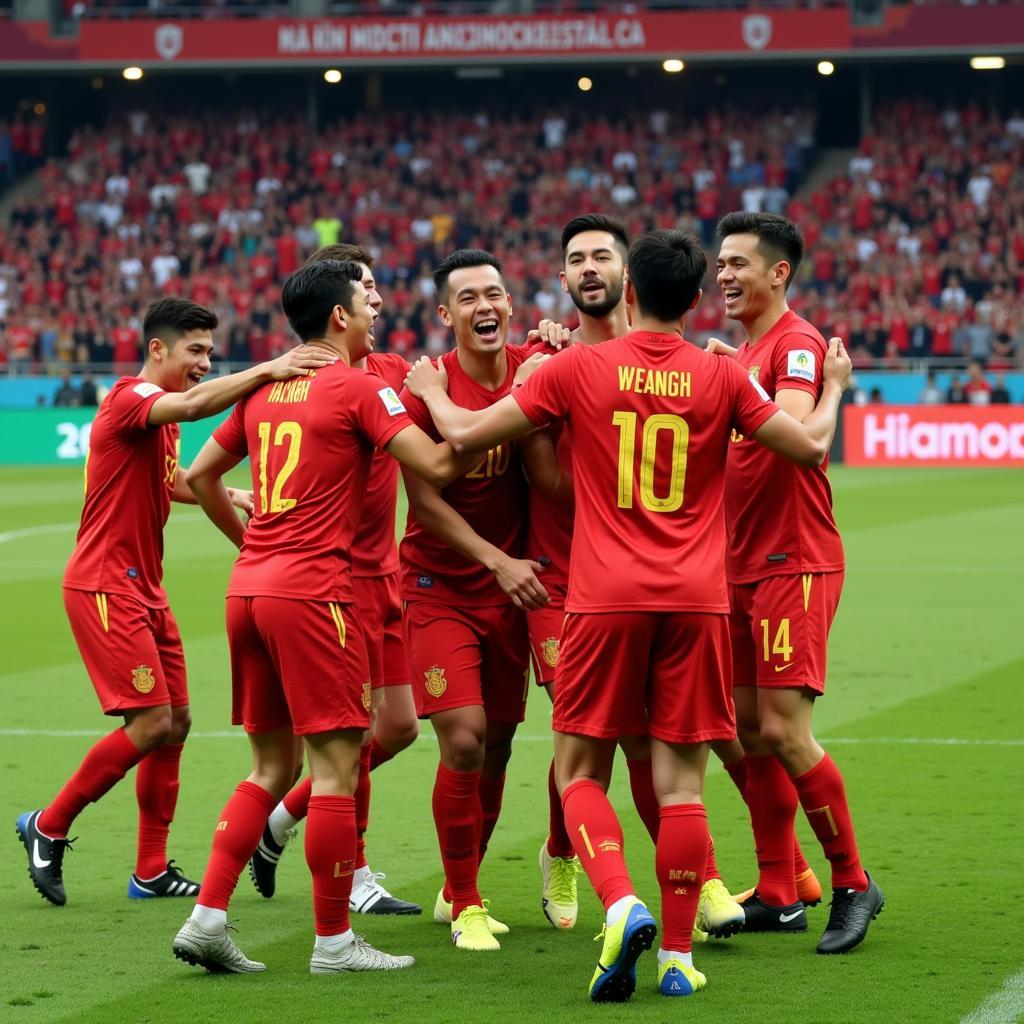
<point>130,404</point>
<point>546,395</point>
<point>230,435</point>
<point>752,407</point>
<point>417,411</point>
<point>378,412</point>
<point>797,363</point>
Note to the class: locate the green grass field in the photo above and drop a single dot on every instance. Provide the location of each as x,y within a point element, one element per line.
<point>924,714</point>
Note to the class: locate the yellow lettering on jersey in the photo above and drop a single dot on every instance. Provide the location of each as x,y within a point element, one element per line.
<point>289,391</point>
<point>661,383</point>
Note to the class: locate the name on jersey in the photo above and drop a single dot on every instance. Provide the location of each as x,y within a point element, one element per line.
<point>289,391</point>
<point>644,381</point>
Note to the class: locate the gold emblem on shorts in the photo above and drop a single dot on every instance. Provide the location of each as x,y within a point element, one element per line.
<point>549,649</point>
<point>435,681</point>
<point>367,695</point>
<point>143,679</point>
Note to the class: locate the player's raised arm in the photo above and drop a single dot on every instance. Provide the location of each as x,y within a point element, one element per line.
<point>437,464</point>
<point>464,429</point>
<point>808,441</point>
<point>214,396</point>
<point>205,479</point>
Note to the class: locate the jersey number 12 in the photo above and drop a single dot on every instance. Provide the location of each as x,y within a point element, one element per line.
<point>289,433</point>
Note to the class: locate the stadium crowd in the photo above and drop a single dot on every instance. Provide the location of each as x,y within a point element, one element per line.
<point>917,251</point>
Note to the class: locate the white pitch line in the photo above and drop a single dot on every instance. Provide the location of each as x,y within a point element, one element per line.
<point>38,531</point>
<point>224,734</point>
<point>1003,1007</point>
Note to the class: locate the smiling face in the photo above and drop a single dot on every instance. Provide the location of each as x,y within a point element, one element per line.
<point>358,321</point>
<point>373,296</point>
<point>478,308</point>
<point>749,279</point>
<point>185,362</point>
<point>594,272</point>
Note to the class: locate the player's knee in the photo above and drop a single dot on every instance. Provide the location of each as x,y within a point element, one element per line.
<point>151,729</point>
<point>781,735</point>
<point>181,725</point>
<point>402,735</point>
<point>464,751</point>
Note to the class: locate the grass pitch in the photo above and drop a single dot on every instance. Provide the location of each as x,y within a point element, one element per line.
<point>923,714</point>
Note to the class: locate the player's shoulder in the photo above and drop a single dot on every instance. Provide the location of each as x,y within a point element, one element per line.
<point>796,330</point>
<point>387,364</point>
<point>518,354</point>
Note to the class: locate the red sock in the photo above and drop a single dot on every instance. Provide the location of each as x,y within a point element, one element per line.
<point>330,855</point>
<point>106,764</point>
<point>772,801</point>
<point>597,837</point>
<point>738,773</point>
<point>237,834</point>
<point>679,863</point>
<point>362,808</point>
<point>156,790</point>
<point>459,822</point>
<point>823,797</point>
<point>296,800</point>
<point>641,782</point>
<point>378,755</point>
<point>712,869</point>
<point>491,792</point>
<point>800,864</point>
<point>559,843</point>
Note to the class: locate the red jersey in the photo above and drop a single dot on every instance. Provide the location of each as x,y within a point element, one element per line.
<point>649,417</point>
<point>310,442</point>
<point>550,524</point>
<point>129,476</point>
<point>491,497</point>
<point>780,514</point>
<point>374,551</point>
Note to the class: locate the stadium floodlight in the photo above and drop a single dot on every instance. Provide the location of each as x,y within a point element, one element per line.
<point>673,65</point>
<point>332,76</point>
<point>133,74</point>
<point>826,67</point>
<point>988,63</point>
<point>585,84</point>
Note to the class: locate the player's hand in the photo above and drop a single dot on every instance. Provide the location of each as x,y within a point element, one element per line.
<point>423,376</point>
<point>838,364</point>
<point>552,333</point>
<point>518,578</point>
<point>243,500</point>
<point>300,360</point>
<point>719,348</point>
<point>529,367</point>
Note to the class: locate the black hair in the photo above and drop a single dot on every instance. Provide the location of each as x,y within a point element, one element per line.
<point>459,260</point>
<point>595,222</point>
<point>778,238</point>
<point>169,319</point>
<point>345,251</point>
<point>310,294</point>
<point>666,269</point>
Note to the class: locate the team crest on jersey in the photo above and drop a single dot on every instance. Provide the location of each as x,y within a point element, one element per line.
<point>755,371</point>
<point>549,651</point>
<point>435,681</point>
<point>367,694</point>
<point>143,679</point>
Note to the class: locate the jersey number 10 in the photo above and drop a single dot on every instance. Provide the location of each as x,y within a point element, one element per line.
<point>653,427</point>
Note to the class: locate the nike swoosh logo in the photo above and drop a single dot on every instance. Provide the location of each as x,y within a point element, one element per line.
<point>786,918</point>
<point>782,668</point>
<point>36,859</point>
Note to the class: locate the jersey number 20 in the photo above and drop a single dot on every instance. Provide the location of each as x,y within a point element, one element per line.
<point>651,430</point>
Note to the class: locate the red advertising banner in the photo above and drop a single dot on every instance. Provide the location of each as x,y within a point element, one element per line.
<point>441,40</point>
<point>933,435</point>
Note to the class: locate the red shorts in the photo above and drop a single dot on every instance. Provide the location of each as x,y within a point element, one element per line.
<point>779,629</point>
<point>545,627</point>
<point>379,600</point>
<point>132,653</point>
<point>296,664</point>
<point>663,674</point>
<point>461,657</point>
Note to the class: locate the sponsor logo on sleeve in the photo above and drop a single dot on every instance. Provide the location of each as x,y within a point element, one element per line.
<point>391,401</point>
<point>801,364</point>
<point>145,389</point>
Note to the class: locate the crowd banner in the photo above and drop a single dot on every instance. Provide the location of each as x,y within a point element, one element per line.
<point>935,436</point>
<point>60,437</point>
